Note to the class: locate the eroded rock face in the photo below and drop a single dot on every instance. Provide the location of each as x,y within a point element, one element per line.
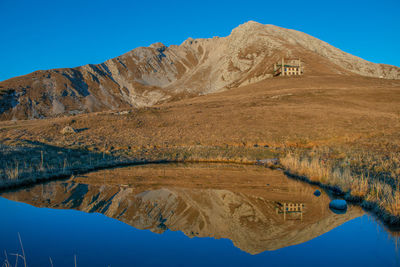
<point>149,75</point>
<point>238,206</point>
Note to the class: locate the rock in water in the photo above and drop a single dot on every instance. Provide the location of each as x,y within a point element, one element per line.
<point>317,193</point>
<point>338,204</point>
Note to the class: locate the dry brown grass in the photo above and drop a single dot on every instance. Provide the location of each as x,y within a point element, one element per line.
<point>36,161</point>
<point>319,110</point>
<point>360,175</point>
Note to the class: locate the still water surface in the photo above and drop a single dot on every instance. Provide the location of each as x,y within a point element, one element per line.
<point>188,215</point>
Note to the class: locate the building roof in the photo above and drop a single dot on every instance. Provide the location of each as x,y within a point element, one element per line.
<point>290,66</point>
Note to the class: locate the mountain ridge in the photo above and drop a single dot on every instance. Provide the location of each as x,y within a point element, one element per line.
<point>146,76</point>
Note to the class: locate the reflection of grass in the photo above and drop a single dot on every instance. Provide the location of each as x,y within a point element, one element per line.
<point>369,177</point>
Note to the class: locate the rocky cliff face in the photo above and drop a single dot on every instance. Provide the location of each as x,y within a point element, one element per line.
<point>149,75</point>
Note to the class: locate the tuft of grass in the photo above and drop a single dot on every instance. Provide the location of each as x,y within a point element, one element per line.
<point>7,263</point>
<point>13,171</point>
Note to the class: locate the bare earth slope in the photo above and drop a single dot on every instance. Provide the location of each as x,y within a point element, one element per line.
<point>149,75</point>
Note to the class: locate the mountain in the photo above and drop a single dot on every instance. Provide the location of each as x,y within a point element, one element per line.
<point>149,75</point>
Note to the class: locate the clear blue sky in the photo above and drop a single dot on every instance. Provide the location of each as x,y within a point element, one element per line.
<point>38,34</point>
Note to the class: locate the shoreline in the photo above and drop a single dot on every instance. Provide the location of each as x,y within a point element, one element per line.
<point>19,184</point>
<point>389,220</point>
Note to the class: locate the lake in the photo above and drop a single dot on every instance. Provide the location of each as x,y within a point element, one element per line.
<point>188,215</point>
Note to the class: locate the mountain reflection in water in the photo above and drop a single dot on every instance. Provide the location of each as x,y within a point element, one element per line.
<point>246,204</point>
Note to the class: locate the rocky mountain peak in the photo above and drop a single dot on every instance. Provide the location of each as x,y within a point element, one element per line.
<point>249,25</point>
<point>158,46</point>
